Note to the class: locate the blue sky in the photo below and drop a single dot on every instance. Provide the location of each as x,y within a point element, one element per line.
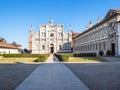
<point>16,16</point>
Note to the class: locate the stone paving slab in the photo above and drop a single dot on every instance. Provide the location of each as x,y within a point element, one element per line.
<point>52,76</point>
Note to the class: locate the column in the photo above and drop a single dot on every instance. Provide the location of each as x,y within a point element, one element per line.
<point>119,38</point>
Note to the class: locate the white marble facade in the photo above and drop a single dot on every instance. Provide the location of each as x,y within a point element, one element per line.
<point>103,36</point>
<point>51,38</point>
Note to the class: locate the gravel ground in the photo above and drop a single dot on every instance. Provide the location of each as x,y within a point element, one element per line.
<point>11,75</point>
<point>104,76</point>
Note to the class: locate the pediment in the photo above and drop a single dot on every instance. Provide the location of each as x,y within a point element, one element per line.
<point>111,12</point>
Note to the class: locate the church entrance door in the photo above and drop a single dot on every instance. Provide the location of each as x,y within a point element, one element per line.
<point>51,48</point>
<point>113,48</point>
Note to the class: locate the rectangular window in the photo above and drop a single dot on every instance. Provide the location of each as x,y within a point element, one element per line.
<point>60,47</point>
<point>93,47</point>
<point>99,46</point>
<point>96,47</point>
<point>104,46</point>
<point>59,34</point>
<point>43,34</point>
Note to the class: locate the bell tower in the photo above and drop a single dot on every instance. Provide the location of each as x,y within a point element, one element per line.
<point>30,37</point>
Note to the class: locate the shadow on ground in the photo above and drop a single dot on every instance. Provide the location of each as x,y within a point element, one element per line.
<point>104,76</point>
<point>11,75</point>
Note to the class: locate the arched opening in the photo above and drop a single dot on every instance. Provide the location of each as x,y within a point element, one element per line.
<point>60,47</point>
<point>51,48</point>
<point>113,48</point>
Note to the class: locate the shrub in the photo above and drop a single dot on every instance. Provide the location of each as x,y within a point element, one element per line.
<point>62,57</point>
<point>109,52</point>
<point>84,55</point>
<point>101,53</point>
<point>41,59</point>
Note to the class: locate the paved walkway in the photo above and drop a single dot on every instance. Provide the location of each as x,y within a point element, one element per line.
<point>52,76</point>
<point>52,59</point>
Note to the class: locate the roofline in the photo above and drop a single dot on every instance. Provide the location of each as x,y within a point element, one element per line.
<point>51,24</point>
<point>102,21</point>
<point>8,47</point>
<point>4,46</point>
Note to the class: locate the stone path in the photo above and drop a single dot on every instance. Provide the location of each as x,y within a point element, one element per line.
<point>52,75</point>
<point>52,59</point>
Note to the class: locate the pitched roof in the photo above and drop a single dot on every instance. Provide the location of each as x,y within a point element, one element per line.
<point>109,14</point>
<point>7,45</point>
<point>75,35</point>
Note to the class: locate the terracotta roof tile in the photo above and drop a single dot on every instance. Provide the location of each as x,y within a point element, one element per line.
<point>75,35</point>
<point>6,45</point>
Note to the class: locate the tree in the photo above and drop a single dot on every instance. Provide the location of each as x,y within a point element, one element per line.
<point>20,50</point>
<point>2,39</point>
<point>26,50</point>
<point>101,53</point>
<point>109,52</point>
<point>14,43</point>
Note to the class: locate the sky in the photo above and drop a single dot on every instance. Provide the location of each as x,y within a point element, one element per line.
<point>16,16</point>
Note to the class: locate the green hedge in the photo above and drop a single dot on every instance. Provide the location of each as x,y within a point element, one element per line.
<point>41,57</point>
<point>23,55</point>
<point>85,55</point>
<point>63,57</point>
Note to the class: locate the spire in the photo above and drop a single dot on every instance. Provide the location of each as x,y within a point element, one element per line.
<point>31,28</point>
<point>70,29</point>
<point>51,21</point>
<point>99,19</point>
<point>90,24</point>
<point>86,27</point>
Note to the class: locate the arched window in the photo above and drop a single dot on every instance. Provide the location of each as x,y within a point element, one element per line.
<point>43,47</point>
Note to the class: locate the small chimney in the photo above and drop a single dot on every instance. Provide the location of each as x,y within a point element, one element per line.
<point>99,19</point>
<point>90,24</point>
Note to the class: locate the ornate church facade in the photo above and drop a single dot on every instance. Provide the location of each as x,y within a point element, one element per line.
<point>103,36</point>
<point>51,38</point>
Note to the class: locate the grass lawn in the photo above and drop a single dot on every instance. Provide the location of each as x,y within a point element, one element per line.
<point>16,60</point>
<point>85,59</point>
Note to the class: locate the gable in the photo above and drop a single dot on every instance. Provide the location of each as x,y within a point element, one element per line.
<point>112,12</point>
